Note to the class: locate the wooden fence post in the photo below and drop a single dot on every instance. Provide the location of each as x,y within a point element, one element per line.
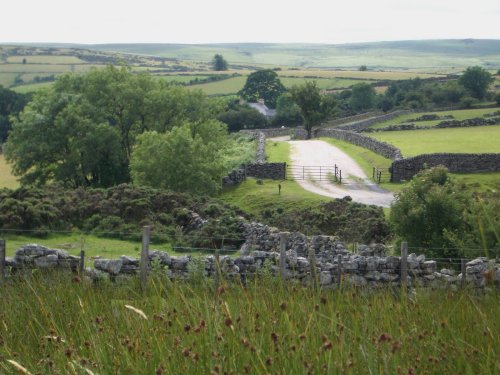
<point>283,241</point>
<point>404,264</point>
<point>464,277</point>
<point>217,271</point>
<point>320,172</point>
<point>303,172</point>
<point>312,264</point>
<point>339,269</point>
<point>144,264</point>
<point>340,174</point>
<point>2,260</point>
<point>81,263</point>
<point>373,173</point>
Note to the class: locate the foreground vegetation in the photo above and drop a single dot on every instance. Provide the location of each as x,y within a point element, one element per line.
<point>63,325</point>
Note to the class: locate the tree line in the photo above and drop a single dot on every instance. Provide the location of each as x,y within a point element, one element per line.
<point>111,126</point>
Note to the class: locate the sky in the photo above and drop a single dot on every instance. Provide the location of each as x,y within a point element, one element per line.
<point>227,21</point>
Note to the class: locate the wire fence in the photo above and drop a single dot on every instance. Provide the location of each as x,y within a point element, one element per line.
<point>177,242</point>
<point>405,269</point>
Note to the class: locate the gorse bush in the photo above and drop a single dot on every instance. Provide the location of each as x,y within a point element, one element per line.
<point>438,216</point>
<point>350,221</point>
<point>120,212</point>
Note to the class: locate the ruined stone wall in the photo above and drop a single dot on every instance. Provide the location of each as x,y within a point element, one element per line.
<point>331,262</point>
<point>405,169</point>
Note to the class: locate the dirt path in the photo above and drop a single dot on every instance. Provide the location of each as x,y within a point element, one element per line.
<point>355,183</point>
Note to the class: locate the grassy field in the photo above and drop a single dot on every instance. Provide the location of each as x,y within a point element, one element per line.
<point>474,182</point>
<point>480,139</point>
<point>45,59</point>
<point>428,56</point>
<point>234,84</point>
<point>31,87</point>
<point>73,242</point>
<point>461,114</point>
<point>363,75</point>
<point>7,180</point>
<point>367,160</point>
<point>253,198</point>
<point>226,86</point>
<point>64,325</point>
<point>278,152</point>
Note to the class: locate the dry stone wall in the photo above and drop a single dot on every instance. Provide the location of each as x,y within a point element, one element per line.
<point>364,124</point>
<point>33,256</point>
<point>381,148</point>
<point>330,265</point>
<point>405,169</point>
<point>272,171</point>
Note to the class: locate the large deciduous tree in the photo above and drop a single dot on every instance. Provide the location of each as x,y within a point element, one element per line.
<point>184,159</point>
<point>82,130</point>
<point>314,106</point>
<point>363,97</point>
<point>219,63</point>
<point>263,84</point>
<point>11,103</point>
<point>476,80</point>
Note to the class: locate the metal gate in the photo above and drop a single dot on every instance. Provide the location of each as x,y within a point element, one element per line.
<point>314,173</point>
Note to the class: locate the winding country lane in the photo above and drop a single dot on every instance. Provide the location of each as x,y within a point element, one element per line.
<point>355,182</point>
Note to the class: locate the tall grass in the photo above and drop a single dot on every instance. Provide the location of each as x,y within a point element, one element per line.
<point>62,325</point>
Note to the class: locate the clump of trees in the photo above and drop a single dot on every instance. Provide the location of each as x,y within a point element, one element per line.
<point>315,107</point>
<point>263,84</point>
<point>436,215</point>
<point>120,212</point>
<point>11,104</point>
<point>241,116</point>
<point>287,112</point>
<point>476,81</point>
<point>85,130</point>
<point>219,63</point>
<point>418,93</point>
<point>188,158</point>
<point>351,221</point>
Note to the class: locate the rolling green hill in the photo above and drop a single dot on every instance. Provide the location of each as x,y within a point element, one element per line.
<point>417,54</point>
<point>420,54</point>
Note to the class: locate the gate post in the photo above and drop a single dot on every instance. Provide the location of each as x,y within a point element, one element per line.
<point>284,171</point>
<point>2,260</point>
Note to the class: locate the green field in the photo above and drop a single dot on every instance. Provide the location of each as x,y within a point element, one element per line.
<point>183,78</point>
<point>367,160</point>
<point>226,86</point>
<point>234,84</point>
<point>63,324</point>
<point>7,180</point>
<point>323,83</point>
<point>45,59</point>
<point>427,55</point>
<point>31,87</point>
<point>74,242</point>
<point>363,75</point>
<point>461,114</point>
<point>253,198</point>
<point>480,139</point>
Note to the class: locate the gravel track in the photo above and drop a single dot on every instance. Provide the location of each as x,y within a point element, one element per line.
<point>355,183</point>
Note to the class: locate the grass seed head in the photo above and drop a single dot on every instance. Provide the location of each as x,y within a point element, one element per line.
<point>137,311</point>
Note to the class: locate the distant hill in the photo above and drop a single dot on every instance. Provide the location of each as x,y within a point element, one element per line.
<point>416,54</point>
